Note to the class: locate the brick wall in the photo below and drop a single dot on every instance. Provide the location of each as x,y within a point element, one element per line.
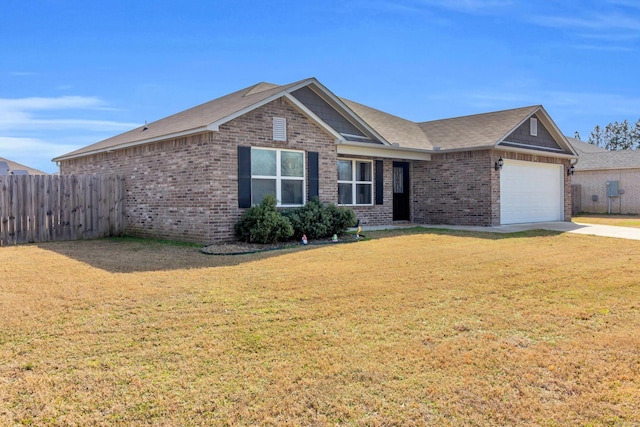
<point>595,182</point>
<point>187,188</point>
<point>464,189</point>
<point>167,185</point>
<point>454,188</point>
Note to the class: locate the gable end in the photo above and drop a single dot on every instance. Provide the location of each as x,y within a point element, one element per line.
<point>532,134</point>
<point>330,115</point>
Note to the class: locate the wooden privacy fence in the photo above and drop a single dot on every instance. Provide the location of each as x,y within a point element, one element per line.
<point>576,199</point>
<point>42,208</point>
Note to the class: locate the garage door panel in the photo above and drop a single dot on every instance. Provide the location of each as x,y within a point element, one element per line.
<point>531,192</point>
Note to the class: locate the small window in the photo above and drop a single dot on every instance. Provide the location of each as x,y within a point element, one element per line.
<point>355,182</point>
<point>533,126</point>
<point>279,129</point>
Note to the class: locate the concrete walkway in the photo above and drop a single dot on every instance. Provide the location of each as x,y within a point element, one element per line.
<point>565,227</point>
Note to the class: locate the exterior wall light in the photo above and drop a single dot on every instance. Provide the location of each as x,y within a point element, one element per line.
<point>498,165</point>
<point>571,170</point>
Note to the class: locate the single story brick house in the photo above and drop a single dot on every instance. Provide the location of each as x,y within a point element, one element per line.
<point>190,176</point>
<point>609,181</point>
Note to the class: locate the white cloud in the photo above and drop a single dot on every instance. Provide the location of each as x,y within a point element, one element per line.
<point>469,6</point>
<point>611,21</point>
<point>38,103</point>
<point>591,103</point>
<point>570,110</point>
<point>23,121</point>
<point>15,145</point>
<point>602,48</point>
<point>420,6</point>
<point>633,4</point>
<point>33,152</point>
<point>22,73</point>
<point>19,114</point>
<point>34,130</point>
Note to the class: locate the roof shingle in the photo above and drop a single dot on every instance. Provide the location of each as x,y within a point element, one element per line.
<point>467,132</point>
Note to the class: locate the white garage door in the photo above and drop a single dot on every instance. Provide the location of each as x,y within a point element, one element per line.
<point>531,192</point>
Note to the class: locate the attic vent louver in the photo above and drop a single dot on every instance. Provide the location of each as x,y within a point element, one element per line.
<point>279,129</point>
<point>533,126</point>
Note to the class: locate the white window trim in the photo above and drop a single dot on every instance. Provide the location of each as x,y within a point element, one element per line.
<point>354,183</point>
<point>279,178</point>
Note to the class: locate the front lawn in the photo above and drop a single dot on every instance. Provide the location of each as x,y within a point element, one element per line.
<point>429,328</point>
<point>618,220</point>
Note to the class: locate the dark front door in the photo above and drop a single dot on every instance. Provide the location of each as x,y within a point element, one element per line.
<point>401,203</point>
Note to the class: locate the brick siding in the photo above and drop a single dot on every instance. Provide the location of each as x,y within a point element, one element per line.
<point>187,188</point>
<point>464,189</point>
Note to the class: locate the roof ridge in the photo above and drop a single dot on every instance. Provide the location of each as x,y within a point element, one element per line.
<point>260,87</point>
<point>483,114</point>
<point>376,109</point>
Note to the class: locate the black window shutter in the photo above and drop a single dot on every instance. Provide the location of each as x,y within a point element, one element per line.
<point>379,182</point>
<point>314,179</point>
<point>244,177</point>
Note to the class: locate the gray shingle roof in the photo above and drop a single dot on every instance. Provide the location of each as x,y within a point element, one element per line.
<point>392,128</point>
<point>194,118</point>
<point>478,130</point>
<point>623,159</point>
<point>17,166</point>
<point>468,132</point>
<point>583,147</point>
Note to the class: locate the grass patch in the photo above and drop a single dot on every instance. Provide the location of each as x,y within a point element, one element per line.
<point>148,241</point>
<point>419,327</point>
<point>632,221</point>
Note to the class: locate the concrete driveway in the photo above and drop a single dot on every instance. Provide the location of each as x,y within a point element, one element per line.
<point>565,227</point>
<point>562,226</point>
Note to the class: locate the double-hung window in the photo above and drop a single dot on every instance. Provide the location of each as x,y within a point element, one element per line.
<point>277,172</point>
<point>355,182</point>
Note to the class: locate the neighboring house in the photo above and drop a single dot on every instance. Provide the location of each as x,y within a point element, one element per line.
<point>191,176</point>
<point>7,167</point>
<point>595,168</point>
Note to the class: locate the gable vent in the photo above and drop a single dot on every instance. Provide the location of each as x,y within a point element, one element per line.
<point>279,129</point>
<point>533,126</point>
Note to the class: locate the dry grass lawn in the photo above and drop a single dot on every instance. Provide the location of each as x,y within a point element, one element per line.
<point>431,328</point>
<point>618,220</point>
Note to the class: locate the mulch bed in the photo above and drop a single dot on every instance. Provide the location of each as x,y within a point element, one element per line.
<point>242,248</point>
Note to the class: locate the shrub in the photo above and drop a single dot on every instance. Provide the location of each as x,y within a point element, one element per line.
<point>263,224</point>
<point>341,218</point>
<point>310,219</point>
<point>318,220</point>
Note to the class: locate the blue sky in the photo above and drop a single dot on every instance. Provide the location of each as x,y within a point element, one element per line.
<point>75,72</point>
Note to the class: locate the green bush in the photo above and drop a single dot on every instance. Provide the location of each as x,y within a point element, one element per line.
<point>263,224</point>
<point>342,218</point>
<point>318,220</point>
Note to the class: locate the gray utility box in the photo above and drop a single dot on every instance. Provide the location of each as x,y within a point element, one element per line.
<point>612,189</point>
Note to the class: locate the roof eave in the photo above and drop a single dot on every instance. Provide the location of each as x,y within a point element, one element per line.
<point>505,148</point>
<point>130,144</point>
<point>590,169</point>
<point>378,150</point>
<point>535,152</point>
